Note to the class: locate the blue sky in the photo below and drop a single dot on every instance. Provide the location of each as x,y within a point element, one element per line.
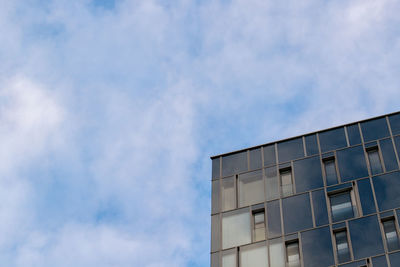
<point>110,109</point>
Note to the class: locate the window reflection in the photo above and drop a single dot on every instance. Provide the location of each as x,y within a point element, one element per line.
<point>292,254</point>
<point>251,188</point>
<point>391,236</point>
<point>342,206</point>
<point>286,182</point>
<point>330,171</point>
<point>259,226</point>
<point>374,160</point>
<point>342,246</point>
<point>271,183</point>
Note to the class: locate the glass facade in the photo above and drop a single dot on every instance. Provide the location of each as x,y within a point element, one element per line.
<point>329,198</point>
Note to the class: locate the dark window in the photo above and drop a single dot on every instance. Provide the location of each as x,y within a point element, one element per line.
<point>332,139</point>
<point>215,168</point>
<point>366,197</point>
<point>342,206</point>
<point>234,163</point>
<point>342,246</point>
<point>395,123</point>
<point>351,162</point>
<point>269,155</point>
<point>317,247</point>
<point>286,182</point>
<point>255,159</point>
<point>271,183</point>
<point>394,259</point>
<point>379,261</point>
<point>374,129</point>
<point>291,149</point>
<point>354,134</point>
<point>215,196</point>
<point>274,219</point>
<point>391,236</point>
<point>389,157</point>
<point>311,144</point>
<point>292,254</point>
<point>330,171</point>
<point>308,174</point>
<point>297,213</point>
<point>374,161</point>
<point>319,204</point>
<point>259,225</point>
<point>387,190</point>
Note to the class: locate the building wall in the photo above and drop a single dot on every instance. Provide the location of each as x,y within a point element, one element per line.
<point>330,198</point>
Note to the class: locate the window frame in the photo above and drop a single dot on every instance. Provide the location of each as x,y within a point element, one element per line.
<point>369,151</point>
<point>254,225</point>
<point>393,219</point>
<point>325,161</point>
<point>353,201</point>
<point>288,243</point>
<point>282,172</point>
<point>350,253</point>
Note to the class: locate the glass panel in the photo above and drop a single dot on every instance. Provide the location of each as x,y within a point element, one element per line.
<point>308,174</point>
<point>277,253</point>
<point>274,219</point>
<point>395,123</point>
<point>215,259</point>
<point>365,237</point>
<point>341,206</point>
<point>311,145</point>
<point>255,159</point>
<point>229,258</point>
<point>215,191</point>
<point>236,228</point>
<point>387,190</point>
<point>392,239</point>
<point>352,163</point>
<point>251,188</point>
<point>215,168</point>
<point>320,211</point>
<point>317,247</point>
<point>330,172</point>
<point>342,246</point>
<point>366,197</point>
<point>332,139</point>
<point>286,183</point>
<point>291,149</point>
<point>269,155</point>
<point>259,226</point>
<point>254,255</point>
<point>374,161</point>
<point>374,129</point>
<point>293,254</point>
<point>228,194</point>
<point>389,157</point>
<point>271,183</point>
<point>234,163</point>
<point>296,213</point>
<point>394,259</point>
<point>215,233</point>
<point>354,264</point>
<point>354,134</point>
<point>379,261</point>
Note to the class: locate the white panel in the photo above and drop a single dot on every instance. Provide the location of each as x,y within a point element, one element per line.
<point>229,259</point>
<point>277,252</point>
<point>254,256</point>
<point>236,228</point>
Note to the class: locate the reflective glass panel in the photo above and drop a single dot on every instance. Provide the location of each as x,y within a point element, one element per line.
<point>351,162</point>
<point>320,211</point>
<point>292,254</point>
<point>271,183</point>
<point>387,190</point>
<point>259,226</point>
<point>389,157</point>
<point>354,134</point>
<point>291,149</point>
<point>332,139</point>
<point>229,258</point>
<point>254,255</point>
<point>236,228</point>
<point>394,259</point>
<point>215,168</point>
<point>366,197</point>
<point>365,237</point>
<point>228,194</point>
<point>286,183</point>
<point>374,161</point>
<point>395,123</point>
<point>379,261</point>
<point>215,192</point>
<point>342,206</point>
<point>277,253</point>
<point>215,233</point>
<point>234,163</point>
<point>330,172</point>
<point>392,239</point>
<point>269,155</point>
<point>311,145</point>
<point>308,174</point>
<point>297,213</point>
<point>255,159</point>
<point>251,188</point>
<point>317,247</point>
<point>274,219</point>
<point>374,129</point>
<point>342,246</point>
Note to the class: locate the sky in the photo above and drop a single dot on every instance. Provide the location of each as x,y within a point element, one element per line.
<point>110,110</point>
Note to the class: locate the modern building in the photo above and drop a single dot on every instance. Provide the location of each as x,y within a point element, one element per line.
<point>328,198</point>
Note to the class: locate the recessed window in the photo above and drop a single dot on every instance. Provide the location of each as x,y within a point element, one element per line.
<point>330,171</point>
<point>391,236</point>
<point>374,160</point>
<point>342,205</point>
<point>286,182</point>
<point>259,225</point>
<point>342,246</point>
<point>292,254</point>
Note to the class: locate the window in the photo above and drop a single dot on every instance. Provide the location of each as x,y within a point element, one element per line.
<point>228,194</point>
<point>342,246</point>
<point>286,182</point>
<point>374,160</point>
<point>255,255</point>
<point>259,225</point>
<point>251,188</point>
<point>236,228</point>
<point>330,171</point>
<point>391,236</point>
<point>292,254</point>
<point>229,258</point>
<point>342,205</point>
